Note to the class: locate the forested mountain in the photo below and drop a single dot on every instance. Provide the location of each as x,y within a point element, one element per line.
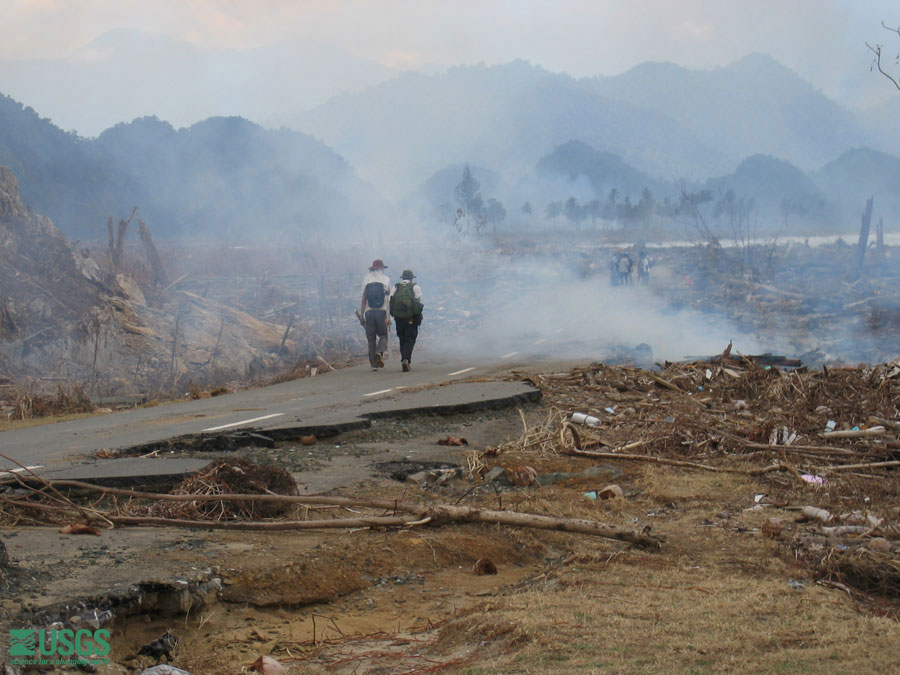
<point>661,119</point>
<point>219,177</point>
<point>603,170</point>
<point>858,174</point>
<point>503,117</point>
<point>753,106</point>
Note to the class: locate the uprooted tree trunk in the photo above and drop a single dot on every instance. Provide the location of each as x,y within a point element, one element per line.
<point>159,273</point>
<point>117,240</point>
<point>863,242</point>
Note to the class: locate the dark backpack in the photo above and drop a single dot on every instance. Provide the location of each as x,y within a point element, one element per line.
<point>403,302</point>
<point>375,295</point>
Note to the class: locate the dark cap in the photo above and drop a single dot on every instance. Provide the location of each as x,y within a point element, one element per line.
<point>407,274</point>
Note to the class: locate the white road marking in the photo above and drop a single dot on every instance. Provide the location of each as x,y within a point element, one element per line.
<point>375,393</point>
<point>237,424</point>
<point>506,356</point>
<point>27,468</point>
<point>460,372</point>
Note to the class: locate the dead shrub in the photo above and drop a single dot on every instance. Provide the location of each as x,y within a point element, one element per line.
<point>233,476</point>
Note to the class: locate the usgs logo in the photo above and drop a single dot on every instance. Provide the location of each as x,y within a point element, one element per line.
<point>31,646</point>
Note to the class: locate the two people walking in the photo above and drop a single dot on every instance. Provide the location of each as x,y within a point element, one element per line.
<point>404,302</point>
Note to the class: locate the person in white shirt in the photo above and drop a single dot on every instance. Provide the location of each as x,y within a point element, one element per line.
<point>376,293</point>
<point>406,308</point>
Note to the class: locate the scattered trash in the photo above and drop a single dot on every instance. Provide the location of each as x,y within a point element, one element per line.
<point>453,440</point>
<point>164,645</point>
<point>308,440</point>
<point>433,477</point>
<point>484,566</point>
<point>93,618</point>
<point>79,528</point>
<point>830,425</point>
<point>796,585</point>
<point>587,420</point>
<point>591,494</point>
<point>611,492</point>
<point>809,478</point>
<point>523,476</point>
<point>772,528</point>
<point>815,513</point>
<point>268,666</point>
<point>610,410</point>
<point>164,669</point>
<point>782,436</point>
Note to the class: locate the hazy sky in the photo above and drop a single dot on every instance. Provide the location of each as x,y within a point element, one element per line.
<point>822,40</point>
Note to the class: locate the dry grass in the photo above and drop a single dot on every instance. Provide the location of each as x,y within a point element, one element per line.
<point>718,598</point>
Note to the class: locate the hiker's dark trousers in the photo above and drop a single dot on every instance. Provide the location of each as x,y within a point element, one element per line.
<point>376,333</point>
<point>407,332</point>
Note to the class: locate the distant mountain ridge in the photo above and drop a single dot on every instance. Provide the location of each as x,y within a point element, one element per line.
<point>220,177</point>
<point>753,106</point>
<point>660,118</point>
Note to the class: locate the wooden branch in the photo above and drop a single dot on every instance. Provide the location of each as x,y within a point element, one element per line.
<point>858,433</point>
<point>818,449</point>
<point>662,460</point>
<point>876,49</point>
<point>871,465</point>
<point>333,523</point>
<point>664,383</point>
<point>437,514</point>
<point>387,504</point>
<point>445,513</point>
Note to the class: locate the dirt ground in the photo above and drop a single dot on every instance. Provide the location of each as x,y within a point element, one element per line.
<point>722,593</point>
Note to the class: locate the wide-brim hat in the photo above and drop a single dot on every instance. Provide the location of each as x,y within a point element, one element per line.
<point>377,264</point>
<point>407,274</point>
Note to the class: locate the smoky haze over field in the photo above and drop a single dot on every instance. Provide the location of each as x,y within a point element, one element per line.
<point>509,175</point>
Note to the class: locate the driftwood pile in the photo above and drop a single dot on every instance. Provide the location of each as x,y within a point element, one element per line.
<point>817,422</point>
<point>826,439</point>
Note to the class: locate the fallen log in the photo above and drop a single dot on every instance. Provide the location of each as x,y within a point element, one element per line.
<point>671,462</point>
<point>870,465</point>
<point>855,433</point>
<point>421,514</point>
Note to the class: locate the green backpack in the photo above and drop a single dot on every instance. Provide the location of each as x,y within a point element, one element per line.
<point>403,302</point>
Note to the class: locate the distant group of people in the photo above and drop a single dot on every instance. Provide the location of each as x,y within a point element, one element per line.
<point>621,269</point>
<point>380,302</point>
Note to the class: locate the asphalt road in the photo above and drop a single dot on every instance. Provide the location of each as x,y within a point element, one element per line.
<point>343,397</point>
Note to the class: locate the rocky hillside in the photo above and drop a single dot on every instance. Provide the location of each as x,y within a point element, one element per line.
<point>46,286</point>
<point>64,315</point>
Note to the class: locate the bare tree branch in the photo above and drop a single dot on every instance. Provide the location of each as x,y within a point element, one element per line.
<point>876,50</point>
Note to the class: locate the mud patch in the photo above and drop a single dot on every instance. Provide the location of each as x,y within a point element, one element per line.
<point>402,470</point>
